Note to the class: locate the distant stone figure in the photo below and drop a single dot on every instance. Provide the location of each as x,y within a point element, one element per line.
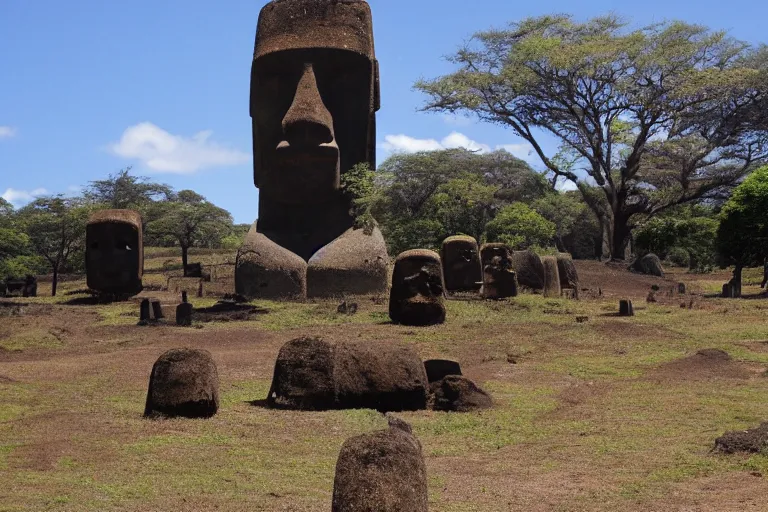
<point>314,95</point>
<point>381,471</point>
<point>184,382</point>
<point>765,274</point>
<point>499,280</point>
<point>114,252</point>
<point>461,264</point>
<point>529,269</point>
<point>314,374</point>
<point>551,277</point>
<point>30,286</point>
<point>417,296</point>
<point>569,277</point>
<point>650,264</point>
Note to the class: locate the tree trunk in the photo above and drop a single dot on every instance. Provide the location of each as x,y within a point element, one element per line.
<point>620,236</point>
<point>184,254</point>
<point>55,281</point>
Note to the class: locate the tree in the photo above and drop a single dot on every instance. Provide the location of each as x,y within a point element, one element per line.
<point>6,211</point>
<point>520,227</point>
<point>191,221</point>
<point>124,191</point>
<point>742,237</point>
<point>421,198</point>
<point>651,118</point>
<point>56,230</point>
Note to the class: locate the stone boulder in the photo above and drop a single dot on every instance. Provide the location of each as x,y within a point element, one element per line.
<point>569,277</point>
<point>650,264</point>
<point>381,471</point>
<point>458,394</point>
<point>529,269</point>
<point>439,368</point>
<point>313,374</point>
<point>184,382</point>
<point>551,277</point>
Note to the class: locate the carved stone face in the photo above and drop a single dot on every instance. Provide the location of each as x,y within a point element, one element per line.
<point>313,98</point>
<point>114,255</point>
<point>461,264</point>
<point>417,294</point>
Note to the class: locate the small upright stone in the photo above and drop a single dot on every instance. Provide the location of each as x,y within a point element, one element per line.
<point>184,312</point>
<point>551,277</point>
<point>382,471</point>
<point>144,312</point>
<point>184,382</point>
<point>626,309</point>
<point>439,368</point>
<point>157,310</point>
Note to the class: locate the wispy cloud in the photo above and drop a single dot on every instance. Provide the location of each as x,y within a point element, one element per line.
<point>406,144</point>
<point>21,197</point>
<point>457,120</point>
<point>164,152</point>
<point>7,132</point>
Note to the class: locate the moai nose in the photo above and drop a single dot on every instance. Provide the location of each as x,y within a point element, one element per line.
<point>308,122</point>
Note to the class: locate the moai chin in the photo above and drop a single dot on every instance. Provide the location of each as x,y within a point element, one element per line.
<point>114,252</point>
<point>314,97</point>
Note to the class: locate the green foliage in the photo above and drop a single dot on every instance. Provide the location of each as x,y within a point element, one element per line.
<point>520,227</point>
<point>124,191</point>
<point>358,185</point>
<point>656,117</point>
<point>742,237</point>
<point>685,236</point>
<point>22,265</point>
<point>422,198</point>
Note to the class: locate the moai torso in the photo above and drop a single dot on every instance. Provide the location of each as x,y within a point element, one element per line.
<point>314,95</point>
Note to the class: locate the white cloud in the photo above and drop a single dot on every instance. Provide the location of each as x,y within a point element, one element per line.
<point>164,152</point>
<point>22,197</point>
<point>405,144</point>
<point>7,132</point>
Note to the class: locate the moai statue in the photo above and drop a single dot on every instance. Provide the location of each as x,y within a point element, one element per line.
<point>417,296</point>
<point>314,97</point>
<point>499,280</point>
<point>114,252</point>
<point>461,264</point>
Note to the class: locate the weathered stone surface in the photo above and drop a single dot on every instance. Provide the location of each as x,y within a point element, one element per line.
<point>313,374</point>
<point>337,269</point>
<point>417,296</point>
<point>649,264</point>
<point>569,277</point>
<point>551,277</point>
<point>267,271</point>
<point>458,394</point>
<point>754,440</point>
<point>529,269</point>
<point>460,257</point>
<point>499,279</point>
<point>439,368</point>
<point>114,252</point>
<point>381,471</point>
<point>626,308</point>
<point>184,382</point>
<point>314,95</point>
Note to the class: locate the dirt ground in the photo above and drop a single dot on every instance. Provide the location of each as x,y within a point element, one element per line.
<point>604,414</point>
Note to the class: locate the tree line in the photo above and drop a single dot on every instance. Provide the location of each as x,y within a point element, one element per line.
<point>48,234</point>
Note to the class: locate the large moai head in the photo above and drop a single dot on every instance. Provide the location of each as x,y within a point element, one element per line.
<point>499,278</point>
<point>114,252</point>
<point>314,95</point>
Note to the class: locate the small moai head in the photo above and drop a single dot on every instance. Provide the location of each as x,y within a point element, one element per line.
<point>461,264</point>
<point>417,296</point>
<point>499,280</point>
<point>314,95</point>
<point>114,252</point>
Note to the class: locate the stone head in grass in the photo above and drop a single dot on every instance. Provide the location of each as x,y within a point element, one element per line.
<point>114,252</point>
<point>417,296</point>
<point>314,97</point>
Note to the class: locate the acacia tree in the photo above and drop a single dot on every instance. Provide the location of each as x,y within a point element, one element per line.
<point>55,227</point>
<point>190,221</point>
<point>651,118</point>
<point>122,190</point>
<point>742,237</point>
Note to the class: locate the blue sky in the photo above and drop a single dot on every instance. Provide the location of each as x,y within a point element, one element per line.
<point>91,86</point>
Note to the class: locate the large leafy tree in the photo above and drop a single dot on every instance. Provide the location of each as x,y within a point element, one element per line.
<point>125,191</point>
<point>421,198</point>
<point>650,118</point>
<point>520,227</point>
<point>742,237</point>
<point>55,227</point>
<point>190,221</point>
